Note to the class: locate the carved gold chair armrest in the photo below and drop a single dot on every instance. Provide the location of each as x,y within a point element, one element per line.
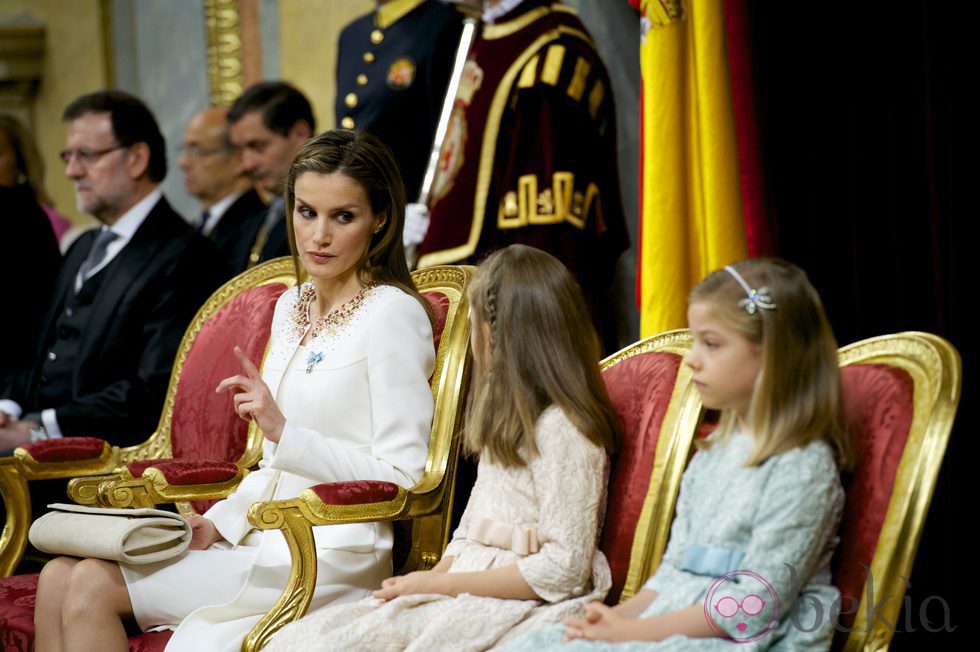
<point>333,503</point>
<point>152,482</point>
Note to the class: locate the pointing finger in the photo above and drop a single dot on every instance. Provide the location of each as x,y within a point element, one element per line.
<point>247,364</point>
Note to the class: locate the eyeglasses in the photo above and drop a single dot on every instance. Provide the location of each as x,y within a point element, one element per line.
<point>751,605</point>
<point>195,152</point>
<point>86,157</point>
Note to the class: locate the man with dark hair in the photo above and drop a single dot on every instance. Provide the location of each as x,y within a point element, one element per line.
<point>231,209</point>
<point>125,292</point>
<point>269,123</point>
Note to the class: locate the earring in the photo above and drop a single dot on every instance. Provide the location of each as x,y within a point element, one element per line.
<point>377,230</point>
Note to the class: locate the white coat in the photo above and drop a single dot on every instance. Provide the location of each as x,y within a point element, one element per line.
<point>363,411</point>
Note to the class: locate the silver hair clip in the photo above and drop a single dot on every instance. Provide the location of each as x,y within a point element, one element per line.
<point>756,298</point>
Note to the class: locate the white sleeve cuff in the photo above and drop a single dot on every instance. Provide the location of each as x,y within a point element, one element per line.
<point>11,408</point>
<point>50,422</point>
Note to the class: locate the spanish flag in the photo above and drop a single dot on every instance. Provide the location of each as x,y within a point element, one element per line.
<point>691,208</point>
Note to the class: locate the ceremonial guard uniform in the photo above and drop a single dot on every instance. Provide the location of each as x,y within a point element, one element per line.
<point>530,154</point>
<point>393,67</point>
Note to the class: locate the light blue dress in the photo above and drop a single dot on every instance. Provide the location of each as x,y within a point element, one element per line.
<point>767,531</point>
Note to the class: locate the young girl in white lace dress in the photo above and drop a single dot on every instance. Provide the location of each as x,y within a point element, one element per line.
<point>525,551</point>
<point>749,554</point>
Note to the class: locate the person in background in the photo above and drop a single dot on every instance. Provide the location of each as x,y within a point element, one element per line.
<point>393,67</point>
<point>269,123</point>
<point>530,153</point>
<point>231,210</point>
<point>29,266</point>
<point>21,164</point>
<point>124,294</point>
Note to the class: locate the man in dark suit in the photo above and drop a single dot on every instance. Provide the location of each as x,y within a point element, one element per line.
<point>125,292</point>
<point>269,123</point>
<point>231,209</point>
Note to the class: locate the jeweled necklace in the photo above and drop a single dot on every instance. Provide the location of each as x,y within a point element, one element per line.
<point>333,321</point>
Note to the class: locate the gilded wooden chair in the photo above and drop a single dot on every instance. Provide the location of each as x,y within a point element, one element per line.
<point>900,396</point>
<point>199,439</point>
<point>659,410</point>
<point>429,503</point>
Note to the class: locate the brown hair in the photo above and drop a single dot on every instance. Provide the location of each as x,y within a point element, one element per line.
<point>26,156</point>
<point>543,351</point>
<point>796,398</point>
<point>366,160</point>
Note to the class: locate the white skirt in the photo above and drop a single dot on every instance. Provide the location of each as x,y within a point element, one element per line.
<point>214,597</point>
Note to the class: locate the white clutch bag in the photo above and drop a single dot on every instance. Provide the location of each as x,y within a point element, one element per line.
<point>133,536</point>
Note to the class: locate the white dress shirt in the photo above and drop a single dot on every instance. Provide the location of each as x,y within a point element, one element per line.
<point>218,209</point>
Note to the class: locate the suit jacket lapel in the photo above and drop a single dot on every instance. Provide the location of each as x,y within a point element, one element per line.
<point>128,265</point>
<point>64,288</point>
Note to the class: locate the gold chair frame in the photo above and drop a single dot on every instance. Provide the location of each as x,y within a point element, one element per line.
<point>428,503</point>
<point>16,471</point>
<point>936,372</point>
<point>676,437</point>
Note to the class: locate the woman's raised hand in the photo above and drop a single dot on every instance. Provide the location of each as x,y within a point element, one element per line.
<point>253,400</point>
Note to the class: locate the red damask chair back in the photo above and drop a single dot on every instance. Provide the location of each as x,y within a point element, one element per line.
<point>658,407</point>
<point>900,396</point>
<point>200,423</point>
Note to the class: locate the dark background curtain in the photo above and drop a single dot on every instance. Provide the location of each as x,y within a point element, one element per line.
<point>866,160</point>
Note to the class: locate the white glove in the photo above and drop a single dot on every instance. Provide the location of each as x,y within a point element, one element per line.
<point>416,224</point>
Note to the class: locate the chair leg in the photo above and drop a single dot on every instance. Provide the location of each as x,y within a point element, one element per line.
<point>17,501</point>
<point>296,597</point>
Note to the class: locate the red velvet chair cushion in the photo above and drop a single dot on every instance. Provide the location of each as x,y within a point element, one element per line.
<point>185,472</point>
<point>640,388</point>
<point>355,491</point>
<point>440,309</point>
<point>65,449</point>
<point>17,612</point>
<point>17,597</point>
<point>204,424</point>
<point>150,641</point>
<point>878,406</point>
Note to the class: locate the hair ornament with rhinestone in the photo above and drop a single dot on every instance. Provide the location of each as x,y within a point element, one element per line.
<point>757,298</point>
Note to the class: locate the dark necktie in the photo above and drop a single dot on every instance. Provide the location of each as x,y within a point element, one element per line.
<point>97,254</point>
<point>205,216</point>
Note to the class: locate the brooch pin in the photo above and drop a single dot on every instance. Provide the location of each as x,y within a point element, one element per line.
<point>312,360</point>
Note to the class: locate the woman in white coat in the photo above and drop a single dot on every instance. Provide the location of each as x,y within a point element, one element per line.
<point>344,396</point>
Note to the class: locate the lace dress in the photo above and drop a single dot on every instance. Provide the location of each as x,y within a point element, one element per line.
<point>553,507</point>
<point>777,521</point>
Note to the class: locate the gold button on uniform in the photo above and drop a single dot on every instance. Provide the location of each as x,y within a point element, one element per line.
<point>347,122</point>
<point>362,80</point>
<point>368,57</point>
<point>377,36</point>
<point>350,100</point>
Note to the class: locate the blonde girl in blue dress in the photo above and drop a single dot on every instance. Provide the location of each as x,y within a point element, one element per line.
<point>748,562</point>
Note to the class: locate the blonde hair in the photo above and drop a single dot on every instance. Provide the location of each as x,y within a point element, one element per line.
<point>543,351</point>
<point>796,399</point>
